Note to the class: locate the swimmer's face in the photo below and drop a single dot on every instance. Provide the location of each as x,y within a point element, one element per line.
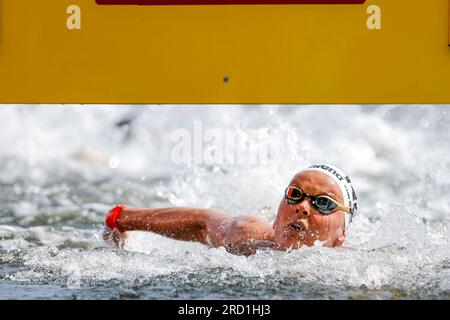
<point>301,223</point>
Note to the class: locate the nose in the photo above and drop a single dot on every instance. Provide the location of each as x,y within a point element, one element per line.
<point>305,207</point>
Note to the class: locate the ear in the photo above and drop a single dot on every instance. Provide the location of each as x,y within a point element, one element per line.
<point>340,240</point>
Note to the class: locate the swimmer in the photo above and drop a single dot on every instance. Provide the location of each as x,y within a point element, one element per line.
<point>318,205</point>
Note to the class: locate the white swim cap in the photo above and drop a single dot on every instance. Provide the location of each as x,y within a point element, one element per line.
<point>345,184</point>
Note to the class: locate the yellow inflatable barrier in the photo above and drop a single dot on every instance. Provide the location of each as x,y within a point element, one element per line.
<point>88,51</point>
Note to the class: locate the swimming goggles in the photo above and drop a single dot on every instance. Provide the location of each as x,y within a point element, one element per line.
<point>324,204</point>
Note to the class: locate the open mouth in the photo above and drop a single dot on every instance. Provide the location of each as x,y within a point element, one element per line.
<point>298,227</point>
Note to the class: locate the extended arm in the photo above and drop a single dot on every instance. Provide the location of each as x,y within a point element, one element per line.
<point>200,225</point>
<point>242,235</point>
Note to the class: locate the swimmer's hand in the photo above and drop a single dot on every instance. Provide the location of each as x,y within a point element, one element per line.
<point>113,237</point>
<point>112,233</point>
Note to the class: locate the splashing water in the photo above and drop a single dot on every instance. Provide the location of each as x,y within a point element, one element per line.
<point>64,167</point>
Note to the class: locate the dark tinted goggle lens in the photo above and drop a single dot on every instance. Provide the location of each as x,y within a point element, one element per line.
<point>294,194</point>
<point>322,203</point>
<point>325,204</point>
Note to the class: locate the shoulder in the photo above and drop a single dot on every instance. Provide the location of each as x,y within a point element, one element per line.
<point>249,222</point>
<point>246,228</point>
<point>246,234</point>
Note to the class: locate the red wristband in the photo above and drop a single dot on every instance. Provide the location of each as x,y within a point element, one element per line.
<point>111,218</point>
